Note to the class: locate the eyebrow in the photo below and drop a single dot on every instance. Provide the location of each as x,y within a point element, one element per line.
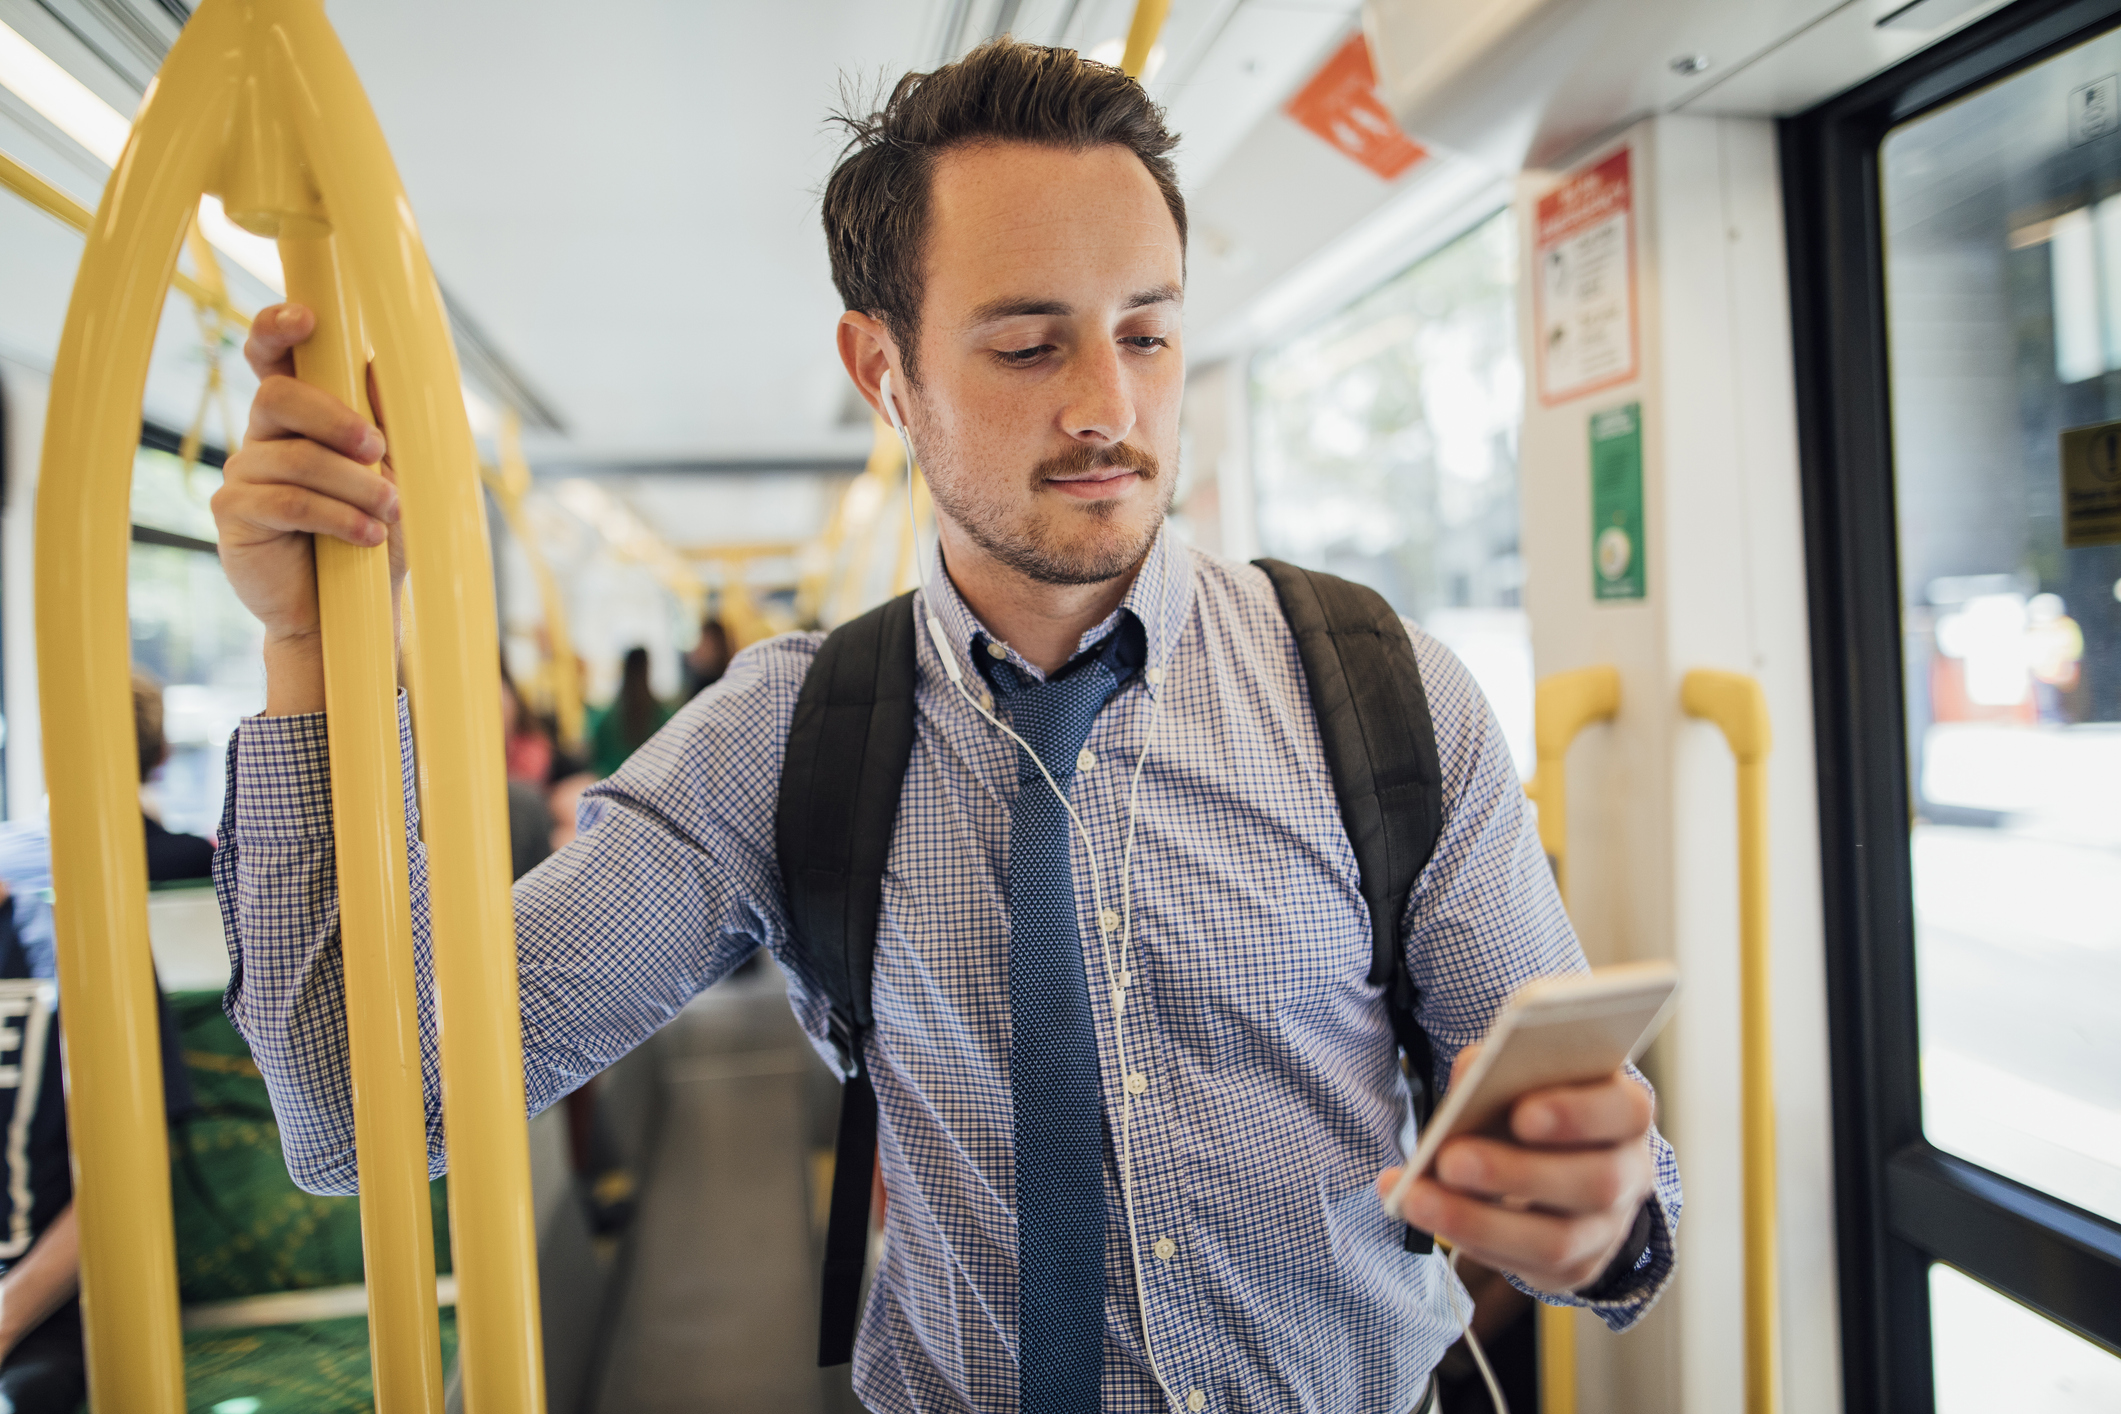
<point>1020,308</point>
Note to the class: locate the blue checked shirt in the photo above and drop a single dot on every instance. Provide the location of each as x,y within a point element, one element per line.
<point>1260,1270</point>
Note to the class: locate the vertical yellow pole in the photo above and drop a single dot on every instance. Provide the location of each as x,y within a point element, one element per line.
<point>1735,703</point>
<point>452,659</point>
<point>134,1349</point>
<point>1565,704</point>
<point>375,906</point>
<point>1141,35</point>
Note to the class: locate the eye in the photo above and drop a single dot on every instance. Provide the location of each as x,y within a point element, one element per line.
<point>1147,343</point>
<point>1017,358</point>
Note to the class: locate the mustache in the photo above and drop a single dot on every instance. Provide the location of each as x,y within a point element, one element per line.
<point>1084,459</point>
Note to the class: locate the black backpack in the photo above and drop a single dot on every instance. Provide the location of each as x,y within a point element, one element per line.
<point>848,748</point>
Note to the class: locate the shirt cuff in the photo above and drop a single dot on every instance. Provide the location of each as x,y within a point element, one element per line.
<point>283,780</point>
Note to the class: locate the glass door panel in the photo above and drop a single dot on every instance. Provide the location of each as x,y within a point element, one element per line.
<point>2003,278</point>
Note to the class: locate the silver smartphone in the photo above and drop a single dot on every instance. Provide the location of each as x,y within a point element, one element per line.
<point>1573,1030</point>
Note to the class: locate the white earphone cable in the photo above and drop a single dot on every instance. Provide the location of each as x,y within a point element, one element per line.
<point>1120,978</point>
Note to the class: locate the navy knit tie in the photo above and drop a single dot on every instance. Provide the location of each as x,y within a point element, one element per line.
<point>1060,1168</point>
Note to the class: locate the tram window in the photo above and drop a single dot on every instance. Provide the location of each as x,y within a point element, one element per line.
<point>2003,273</point>
<point>1992,1353</point>
<point>190,631</point>
<point>1386,450</point>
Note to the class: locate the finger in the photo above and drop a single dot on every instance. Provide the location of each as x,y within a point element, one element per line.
<point>315,468</point>
<point>1559,1181</point>
<point>1552,1252</point>
<point>274,332</point>
<point>252,512</point>
<point>285,408</point>
<point>1608,1112</point>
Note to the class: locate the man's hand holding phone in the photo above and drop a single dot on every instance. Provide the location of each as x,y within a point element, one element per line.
<point>1553,1199</point>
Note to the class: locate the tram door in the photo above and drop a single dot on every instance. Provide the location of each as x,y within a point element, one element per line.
<point>1965,480</point>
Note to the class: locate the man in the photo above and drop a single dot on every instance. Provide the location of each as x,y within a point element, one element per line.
<point>1008,237</point>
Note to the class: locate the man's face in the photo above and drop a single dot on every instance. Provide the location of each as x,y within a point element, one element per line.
<point>1051,372</point>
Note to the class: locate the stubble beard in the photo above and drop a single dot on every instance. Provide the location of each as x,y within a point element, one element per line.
<point>1035,543</point>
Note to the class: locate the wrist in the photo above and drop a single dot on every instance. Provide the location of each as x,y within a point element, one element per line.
<point>294,672</point>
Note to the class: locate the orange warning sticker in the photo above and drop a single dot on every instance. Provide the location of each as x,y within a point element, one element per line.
<point>1341,105</point>
<point>1584,293</point>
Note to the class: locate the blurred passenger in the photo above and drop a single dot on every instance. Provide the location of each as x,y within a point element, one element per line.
<point>633,716</point>
<point>564,802</point>
<point>529,743</point>
<point>708,659</point>
<point>42,1367</point>
<point>170,856</point>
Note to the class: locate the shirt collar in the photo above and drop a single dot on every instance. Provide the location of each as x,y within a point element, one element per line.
<point>1160,597</point>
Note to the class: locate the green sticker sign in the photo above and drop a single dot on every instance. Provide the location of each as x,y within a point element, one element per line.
<point>1618,570</point>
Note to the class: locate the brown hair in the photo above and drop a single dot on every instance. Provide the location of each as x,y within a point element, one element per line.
<point>876,200</point>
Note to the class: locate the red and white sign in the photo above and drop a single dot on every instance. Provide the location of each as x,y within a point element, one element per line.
<point>1584,293</point>
<point>1341,105</point>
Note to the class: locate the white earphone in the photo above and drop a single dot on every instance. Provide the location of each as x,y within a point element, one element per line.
<point>1119,977</point>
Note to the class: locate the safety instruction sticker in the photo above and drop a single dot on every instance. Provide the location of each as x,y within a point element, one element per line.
<point>1584,296</point>
<point>2091,485</point>
<point>1618,570</point>
<point>1341,105</point>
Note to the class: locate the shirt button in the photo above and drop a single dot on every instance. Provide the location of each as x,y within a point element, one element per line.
<point>1109,920</point>
<point>1196,1401</point>
<point>1156,675</point>
<point>1084,761</point>
<point>1166,1249</point>
<point>997,650</point>
<point>1137,1083</point>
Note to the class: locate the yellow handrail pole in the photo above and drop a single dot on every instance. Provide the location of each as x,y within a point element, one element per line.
<point>1735,703</point>
<point>135,1353</point>
<point>61,206</point>
<point>375,905</point>
<point>510,484</point>
<point>452,661</point>
<point>1141,35</point>
<point>1563,706</point>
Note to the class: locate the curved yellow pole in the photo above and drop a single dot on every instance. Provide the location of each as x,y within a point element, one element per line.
<point>99,866</point>
<point>259,103</point>
<point>1563,706</point>
<point>1735,703</point>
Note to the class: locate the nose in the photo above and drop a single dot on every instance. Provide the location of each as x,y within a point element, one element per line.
<point>1100,406</point>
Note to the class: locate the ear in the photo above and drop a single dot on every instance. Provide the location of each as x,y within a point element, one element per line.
<point>868,351</point>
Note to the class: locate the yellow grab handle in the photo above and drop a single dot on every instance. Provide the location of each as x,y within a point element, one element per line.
<point>375,903</point>
<point>1563,705</point>
<point>1735,703</point>
<point>259,103</point>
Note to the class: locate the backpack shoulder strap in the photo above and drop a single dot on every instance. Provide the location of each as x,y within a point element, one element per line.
<point>848,748</point>
<point>1373,716</point>
<point>1380,744</point>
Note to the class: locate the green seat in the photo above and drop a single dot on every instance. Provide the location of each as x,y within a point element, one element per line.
<point>244,1229</point>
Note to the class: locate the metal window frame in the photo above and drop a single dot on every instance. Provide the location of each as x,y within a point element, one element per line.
<point>1900,1202</point>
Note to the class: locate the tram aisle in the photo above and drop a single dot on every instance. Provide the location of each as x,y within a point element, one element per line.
<point>717,1306</point>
